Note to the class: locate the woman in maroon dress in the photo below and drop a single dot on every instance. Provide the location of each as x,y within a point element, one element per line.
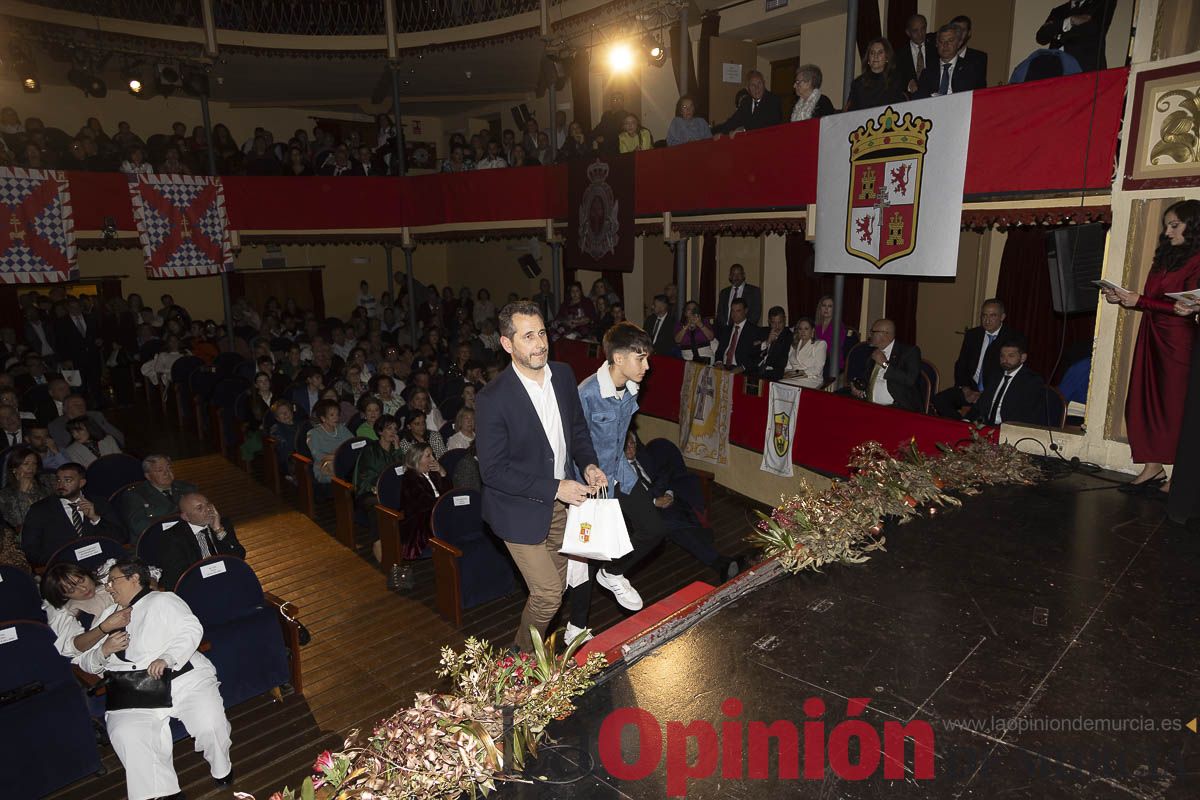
<point>1158,379</point>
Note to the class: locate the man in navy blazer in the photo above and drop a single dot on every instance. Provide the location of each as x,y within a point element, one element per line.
<point>964,71</point>
<point>530,436</point>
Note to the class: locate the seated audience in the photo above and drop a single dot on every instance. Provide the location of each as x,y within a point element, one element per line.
<point>737,342</point>
<point>55,521</point>
<point>576,316</point>
<point>75,592</point>
<point>758,109</point>
<point>464,430</point>
<point>284,430</point>
<point>200,534</point>
<point>693,336</point>
<point>891,373</point>
<point>382,452</point>
<point>324,437</point>
<point>37,436</point>
<point>423,482</point>
<point>383,386</point>
<point>952,73</point>
<point>418,432</point>
<point>11,432</point>
<point>370,409</point>
<point>773,346</point>
<point>978,363</point>
<point>308,393</point>
<point>89,442</point>
<point>807,356</point>
<point>880,83</point>
<point>24,485</point>
<point>576,144</point>
<point>633,136</point>
<point>810,103</point>
<point>1019,395</point>
<point>686,126</point>
<point>157,496</point>
<point>421,400</point>
<point>163,634</point>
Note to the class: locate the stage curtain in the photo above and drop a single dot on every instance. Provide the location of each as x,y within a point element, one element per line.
<point>710,26</point>
<point>805,287</point>
<point>581,88</point>
<point>708,276</point>
<point>869,26</point>
<point>902,307</point>
<point>898,12</point>
<point>1024,287</point>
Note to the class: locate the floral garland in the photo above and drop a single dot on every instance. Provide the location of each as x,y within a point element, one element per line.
<point>446,745</point>
<point>844,523</point>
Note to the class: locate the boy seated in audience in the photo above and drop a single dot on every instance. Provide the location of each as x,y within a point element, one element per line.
<point>283,431</point>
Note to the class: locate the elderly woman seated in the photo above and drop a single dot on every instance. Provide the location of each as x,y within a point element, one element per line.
<point>89,441</point>
<point>424,481</point>
<point>324,438</point>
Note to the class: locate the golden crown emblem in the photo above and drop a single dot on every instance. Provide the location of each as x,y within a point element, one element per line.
<point>598,172</point>
<point>890,131</point>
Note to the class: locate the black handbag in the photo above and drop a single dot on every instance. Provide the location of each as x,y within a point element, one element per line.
<point>136,689</point>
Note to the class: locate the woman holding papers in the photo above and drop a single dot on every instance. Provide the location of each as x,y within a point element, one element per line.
<point>1158,379</point>
<point>806,359</point>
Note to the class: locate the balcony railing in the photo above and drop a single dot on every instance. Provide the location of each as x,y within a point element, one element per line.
<point>303,17</point>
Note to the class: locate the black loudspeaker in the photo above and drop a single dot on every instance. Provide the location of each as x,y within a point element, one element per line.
<point>521,114</point>
<point>529,266</point>
<point>1075,255</point>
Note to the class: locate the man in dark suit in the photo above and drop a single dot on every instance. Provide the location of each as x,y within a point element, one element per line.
<point>739,288</point>
<point>158,496</point>
<point>1080,28</point>
<point>11,432</point>
<point>678,498</point>
<point>55,521</point>
<point>1018,396</point>
<point>661,327</point>
<point>918,53</point>
<point>53,406</point>
<point>38,334</point>
<point>977,57</point>
<point>759,109</point>
<point>201,533</point>
<point>952,72</point>
<point>77,338</point>
<point>978,364</point>
<point>76,406</point>
<point>891,373</point>
<point>308,392</point>
<point>737,342</point>
<point>530,436</point>
<point>773,344</point>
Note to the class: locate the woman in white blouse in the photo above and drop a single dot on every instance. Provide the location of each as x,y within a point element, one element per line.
<point>806,359</point>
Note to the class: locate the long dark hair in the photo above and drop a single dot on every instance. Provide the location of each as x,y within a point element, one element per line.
<point>1167,256</point>
<point>888,51</point>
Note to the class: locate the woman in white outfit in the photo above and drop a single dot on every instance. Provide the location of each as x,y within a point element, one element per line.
<point>162,638</point>
<point>806,359</point>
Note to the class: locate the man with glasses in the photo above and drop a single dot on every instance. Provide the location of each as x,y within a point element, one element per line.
<point>891,373</point>
<point>163,637</point>
<point>56,521</point>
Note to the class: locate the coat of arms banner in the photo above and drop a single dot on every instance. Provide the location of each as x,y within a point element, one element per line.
<point>705,406</point>
<point>37,230</point>
<point>890,188</point>
<point>600,199</point>
<point>781,429</point>
<point>182,225</point>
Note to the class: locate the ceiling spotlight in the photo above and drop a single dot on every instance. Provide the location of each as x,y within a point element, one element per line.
<point>656,54</point>
<point>620,58</point>
<point>135,86</point>
<point>31,83</point>
<point>22,63</point>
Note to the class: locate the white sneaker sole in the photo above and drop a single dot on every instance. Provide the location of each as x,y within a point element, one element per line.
<point>623,598</point>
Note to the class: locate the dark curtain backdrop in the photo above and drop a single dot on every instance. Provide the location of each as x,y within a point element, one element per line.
<point>616,282</point>
<point>869,26</point>
<point>805,287</point>
<point>710,26</point>
<point>1024,287</point>
<point>902,307</point>
<point>898,12</point>
<point>708,276</point>
<point>581,89</point>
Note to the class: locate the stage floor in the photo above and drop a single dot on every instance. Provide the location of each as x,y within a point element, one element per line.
<point>1047,635</point>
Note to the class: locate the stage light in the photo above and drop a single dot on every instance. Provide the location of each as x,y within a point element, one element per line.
<point>135,86</point>
<point>24,66</point>
<point>656,54</point>
<point>31,83</point>
<point>620,58</point>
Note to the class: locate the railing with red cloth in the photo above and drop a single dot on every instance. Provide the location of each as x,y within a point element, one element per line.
<point>828,426</point>
<point>1028,139</point>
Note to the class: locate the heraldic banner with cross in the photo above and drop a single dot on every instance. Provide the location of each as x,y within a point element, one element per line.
<point>182,225</point>
<point>37,231</point>
<point>889,188</point>
<point>600,229</point>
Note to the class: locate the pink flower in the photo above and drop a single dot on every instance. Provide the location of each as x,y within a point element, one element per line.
<point>324,763</point>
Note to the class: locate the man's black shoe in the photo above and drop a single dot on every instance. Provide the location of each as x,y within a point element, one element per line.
<point>227,780</point>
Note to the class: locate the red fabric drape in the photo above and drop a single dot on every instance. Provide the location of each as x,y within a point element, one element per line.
<point>805,287</point>
<point>581,88</point>
<point>869,26</point>
<point>710,26</point>
<point>708,276</point>
<point>1024,287</point>
<point>902,307</point>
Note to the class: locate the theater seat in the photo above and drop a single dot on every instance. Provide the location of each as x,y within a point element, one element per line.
<point>345,460</point>
<point>450,460</point>
<point>89,552</point>
<point>389,515</point>
<point>109,473</point>
<point>241,625</point>
<point>181,372</point>
<point>45,729</point>
<point>468,565</point>
<point>19,597</point>
<point>149,543</point>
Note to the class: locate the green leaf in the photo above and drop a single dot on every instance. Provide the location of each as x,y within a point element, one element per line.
<point>307,792</point>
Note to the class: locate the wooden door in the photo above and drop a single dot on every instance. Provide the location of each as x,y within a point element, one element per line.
<point>782,80</point>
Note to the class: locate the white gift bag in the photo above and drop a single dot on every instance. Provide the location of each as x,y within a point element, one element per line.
<point>596,530</point>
